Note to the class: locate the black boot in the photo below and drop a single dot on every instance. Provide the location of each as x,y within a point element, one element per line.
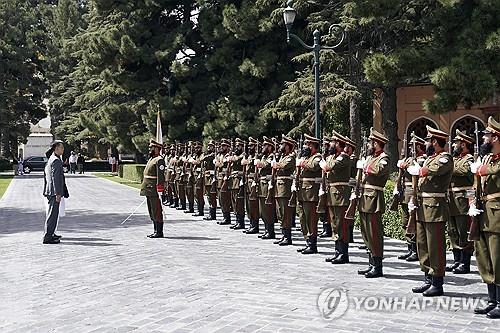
<point>436,289</point>
<point>282,237</point>
<point>175,203</point>
<point>159,230</point>
<point>414,253</point>
<point>343,257</point>
<point>253,228</point>
<point>154,233</point>
<point>492,300</point>
<point>312,249</point>
<point>270,231</point>
<point>235,223</point>
<point>201,211</point>
<point>306,247</point>
<point>495,313</point>
<point>407,254</point>
<point>182,206</point>
<point>336,254</point>
<point>287,237</point>
<point>240,222</point>
<point>351,233</point>
<point>227,218</point>
<point>464,267</point>
<point>376,270</point>
<point>362,247</point>
<point>370,265</point>
<point>327,230</point>
<point>457,255</point>
<point>190,208</point>
<point>427,284</point>
<point>212,214</point>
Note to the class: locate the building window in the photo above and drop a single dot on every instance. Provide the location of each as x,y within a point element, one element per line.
<point>467,124</point>
<point>419,127</point>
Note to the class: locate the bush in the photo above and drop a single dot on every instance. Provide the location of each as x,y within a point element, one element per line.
<point>5,164</point>
<point>133,172</point>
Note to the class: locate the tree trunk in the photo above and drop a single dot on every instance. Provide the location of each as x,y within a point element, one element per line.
<point>355,121</point>
<point>390,122</point>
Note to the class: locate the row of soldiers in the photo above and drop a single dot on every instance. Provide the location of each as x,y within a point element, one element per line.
<point>277,181</point>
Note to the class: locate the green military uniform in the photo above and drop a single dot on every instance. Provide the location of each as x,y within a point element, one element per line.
<point>308,198</point>
<point>236,181</point>
<point>210,182</point>
<point>251,195</point>
<point>171,171</point>
<point>487,248</point>
<point>462,181</point>
<point>180,179</point>
<point>322,210</point>
<point>153,184</point>
<point>199,177</point>
<point>284,170</point>
<point>168,198</point>
<point>267,211</point>
<point>432,215</point>
<point>224,194</point>
<point>352,183</point>
<point>338,172</point>
<point>372,205</point>
<point>189,180</point>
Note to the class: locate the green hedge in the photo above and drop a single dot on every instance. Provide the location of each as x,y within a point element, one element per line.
<point>5,164</point>
<point>391,220</point>
<point>132,172</point>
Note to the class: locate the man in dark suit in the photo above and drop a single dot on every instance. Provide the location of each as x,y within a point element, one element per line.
<point>54,190</point>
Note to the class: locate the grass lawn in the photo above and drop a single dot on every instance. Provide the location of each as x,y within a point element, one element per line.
<point>116,179</point>
<point>4,183</point>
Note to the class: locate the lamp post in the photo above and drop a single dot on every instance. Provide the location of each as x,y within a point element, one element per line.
<point>289,15</point>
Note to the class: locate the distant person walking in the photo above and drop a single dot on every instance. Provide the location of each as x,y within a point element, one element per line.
<point>54,190</point>
<point>80,161</point>
<point>112,163</point>
<point>20,166</point>
<point>72,162</point>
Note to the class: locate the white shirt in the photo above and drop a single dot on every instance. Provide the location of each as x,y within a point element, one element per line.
<point>72,158</point>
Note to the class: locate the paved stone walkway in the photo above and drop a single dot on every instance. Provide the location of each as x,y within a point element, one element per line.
<point>108,277</point>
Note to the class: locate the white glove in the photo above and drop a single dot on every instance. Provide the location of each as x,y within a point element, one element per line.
<point>411,206</point>
<point>298,162</point>
<point>255,162</point>
<point>474,167</point>
<point>294,187</point>
<point>353,196</point>
<point>474,211</point>
<point>400,162</point>
<point>360,164</point>
<point>274,164</point>
<point>322,164</point>
<point>414,169</point>
<point>321,192</point>
<point>253,184</point>
<point>395,192</point>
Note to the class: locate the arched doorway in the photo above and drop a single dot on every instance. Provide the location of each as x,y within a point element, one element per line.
<point>419,127</point>
<point>467,124</point>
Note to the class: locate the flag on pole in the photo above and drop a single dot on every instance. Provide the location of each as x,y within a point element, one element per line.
<point>159,133</point>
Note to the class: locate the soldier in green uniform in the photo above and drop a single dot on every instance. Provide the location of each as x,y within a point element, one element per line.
<point>267,211</point>
<point>432,211</point>
<point>210,182</point>
<point>284,170</point>
<point>167,194</point>
<point>350,150</point>
<point>199,178</point>
<point>152,185</point>
<point>172,167</point>
<point>236,179</point>
<point>323,217</point>
<point>338,171</point>
<point>222,164</point>
<point>308,190</point>
<point>189,178</point>
<point>180,178</point>
<point>371,205</point>
<point>487,248</point>
<point>412,254</point>
<point>462,181</point>
<point>251,195</point>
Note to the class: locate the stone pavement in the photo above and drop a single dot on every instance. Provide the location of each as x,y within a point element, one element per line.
<point>108,277</point>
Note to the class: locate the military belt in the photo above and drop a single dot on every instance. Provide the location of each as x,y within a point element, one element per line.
<point>251,175</point>
<point>150,177</point>
<point>237,173</point>
<point>284,177</point>
<point>373,187</point>
<point>210,172</point>
<point>315,180</point>
<point>268,177</point>
<point>338,184</point>
<point>408,184</point>
<point>197,169</point>
<point>432,195</point>
<point>491,196</point>
<point>460,189</point>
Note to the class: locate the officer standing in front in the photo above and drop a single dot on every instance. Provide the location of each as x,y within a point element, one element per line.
<point>152,185</point>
